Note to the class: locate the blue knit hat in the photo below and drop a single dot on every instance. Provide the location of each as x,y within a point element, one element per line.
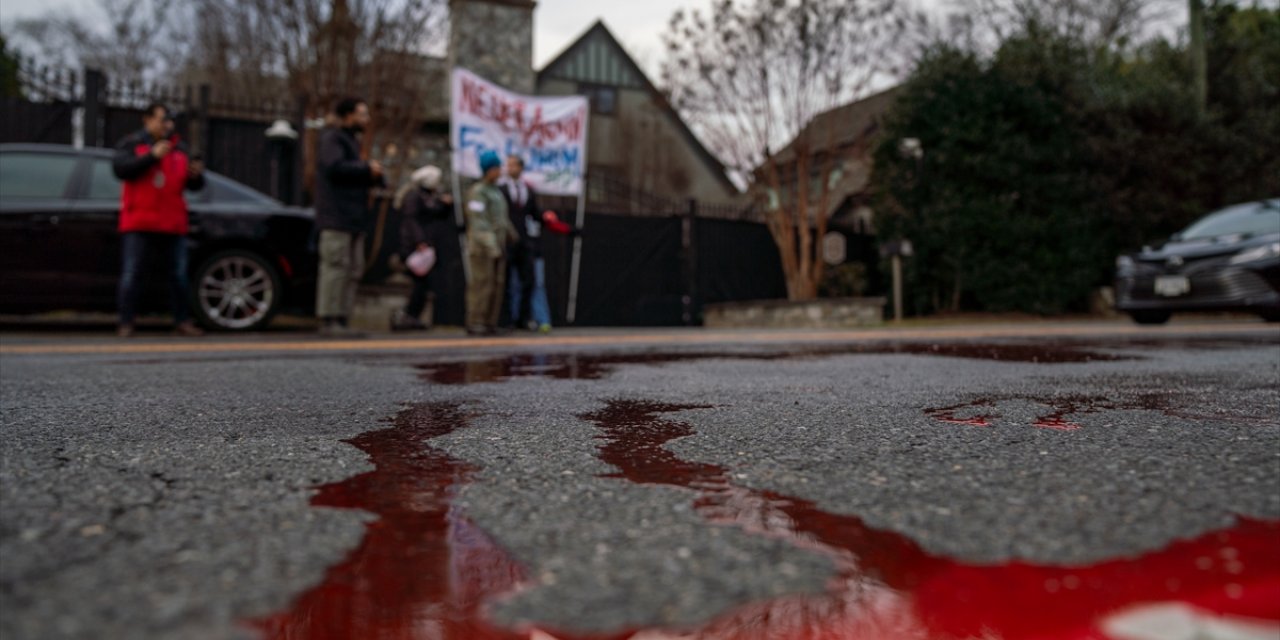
<point>489,160</point>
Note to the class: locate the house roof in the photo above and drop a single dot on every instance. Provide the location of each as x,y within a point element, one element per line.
<point>597,57</point>
<point>846,124</point>
<point>524,4</point>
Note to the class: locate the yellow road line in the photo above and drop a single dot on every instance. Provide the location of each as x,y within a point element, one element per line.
<point>710,337</point>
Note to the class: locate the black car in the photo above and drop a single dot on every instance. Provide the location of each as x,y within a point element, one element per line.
<point>59,249</point>
<point>1228,260</point>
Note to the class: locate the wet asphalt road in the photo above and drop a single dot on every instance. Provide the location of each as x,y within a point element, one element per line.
<point>166,495</point>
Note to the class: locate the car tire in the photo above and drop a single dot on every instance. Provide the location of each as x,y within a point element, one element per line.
<point>1150,316</point>
<point>1270,315</point>
<point>236,290</point>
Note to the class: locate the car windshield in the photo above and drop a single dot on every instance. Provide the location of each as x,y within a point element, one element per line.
<point>1253,218</point>
<point>221,190</point>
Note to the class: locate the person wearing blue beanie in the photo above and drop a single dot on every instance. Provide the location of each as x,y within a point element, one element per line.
<point>489,233</point>
<point>489,160</point>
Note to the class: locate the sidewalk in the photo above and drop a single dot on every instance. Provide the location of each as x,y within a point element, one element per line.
<point>30,343</point>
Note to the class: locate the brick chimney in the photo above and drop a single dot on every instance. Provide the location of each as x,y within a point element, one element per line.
<point>494,38</point>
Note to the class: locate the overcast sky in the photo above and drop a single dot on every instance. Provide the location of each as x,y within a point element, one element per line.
<point>557,23</point>
<point>638,24</point>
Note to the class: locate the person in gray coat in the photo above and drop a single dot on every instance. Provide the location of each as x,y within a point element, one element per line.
<point>343,181</point>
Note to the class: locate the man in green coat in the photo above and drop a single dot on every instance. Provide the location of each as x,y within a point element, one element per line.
<point>489,232</point>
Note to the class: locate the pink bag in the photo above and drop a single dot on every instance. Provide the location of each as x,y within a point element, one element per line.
<point>421,261</point>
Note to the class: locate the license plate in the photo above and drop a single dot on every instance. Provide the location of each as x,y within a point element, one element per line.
<point>1171,286</point>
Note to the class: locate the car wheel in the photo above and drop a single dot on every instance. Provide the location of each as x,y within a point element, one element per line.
<point>1270,315</point>
<point>1150,317</point>
<point>236,291</point>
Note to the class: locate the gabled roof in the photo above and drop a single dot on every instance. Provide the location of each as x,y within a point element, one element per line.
<point>845,124</point>
<point>523,4</point>
<point>597,57</point>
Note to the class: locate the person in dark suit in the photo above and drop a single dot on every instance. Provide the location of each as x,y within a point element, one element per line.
<point>525,309</point>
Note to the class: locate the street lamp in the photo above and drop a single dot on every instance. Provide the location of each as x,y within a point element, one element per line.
<point>279,135</point>
<point>909,148</point>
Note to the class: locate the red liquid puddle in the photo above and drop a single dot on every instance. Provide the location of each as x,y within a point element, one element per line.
<point>888,587</point>
<point>1062,407</point>
<point>592,367</point>
<point>948,414</point>
<point>422,570</point>
<point>1057,420</point>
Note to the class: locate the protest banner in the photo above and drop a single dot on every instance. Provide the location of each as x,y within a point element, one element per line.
<point>549,133</point>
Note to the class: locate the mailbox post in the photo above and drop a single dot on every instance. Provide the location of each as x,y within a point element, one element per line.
<point>896,250</point>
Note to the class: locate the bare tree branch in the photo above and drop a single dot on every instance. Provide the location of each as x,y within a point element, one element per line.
<point>752,75</point>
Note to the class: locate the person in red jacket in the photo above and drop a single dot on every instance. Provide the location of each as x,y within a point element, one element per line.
<point>155,168</point>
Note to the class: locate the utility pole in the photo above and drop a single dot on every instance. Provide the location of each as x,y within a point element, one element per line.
<point>1199,65</point>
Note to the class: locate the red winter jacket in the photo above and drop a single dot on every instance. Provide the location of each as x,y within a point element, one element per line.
<point>152,197</point>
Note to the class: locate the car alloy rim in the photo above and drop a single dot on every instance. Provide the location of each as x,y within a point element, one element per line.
<point>235,292</point>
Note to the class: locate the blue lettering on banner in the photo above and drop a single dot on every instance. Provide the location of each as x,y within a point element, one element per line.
<point>559,164</point>
<point>554,160</point>
<point>472,138</point>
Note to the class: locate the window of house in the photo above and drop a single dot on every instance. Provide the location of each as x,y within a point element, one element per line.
<point>604,100</point>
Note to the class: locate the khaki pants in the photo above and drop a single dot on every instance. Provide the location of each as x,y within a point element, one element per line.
<point>341,266</point>
<point>484,290</point>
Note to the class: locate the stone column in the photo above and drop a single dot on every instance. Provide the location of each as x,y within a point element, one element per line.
<point>494,38</point>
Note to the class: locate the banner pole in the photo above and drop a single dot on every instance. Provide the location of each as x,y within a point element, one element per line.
<point>458,218</point>
<point>571,314</point>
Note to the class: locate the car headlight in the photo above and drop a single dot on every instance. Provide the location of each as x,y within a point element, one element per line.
<point>1263,252</point>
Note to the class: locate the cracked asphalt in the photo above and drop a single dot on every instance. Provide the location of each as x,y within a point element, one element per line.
<point>166,495</point>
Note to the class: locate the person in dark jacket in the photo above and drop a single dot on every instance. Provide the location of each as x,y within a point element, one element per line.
<point>424,223</point>
<point>522,207</point>
<point>155,168</point>
<point>343,181</point>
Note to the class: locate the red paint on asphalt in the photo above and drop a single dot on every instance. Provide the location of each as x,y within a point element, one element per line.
<point>948,414</point>
<point>1056,421</point>
<point>888,587</point>
<point>1075,405</point>
<point>423,570</point>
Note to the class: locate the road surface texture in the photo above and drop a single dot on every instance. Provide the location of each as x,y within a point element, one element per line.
<point>1063,481</point>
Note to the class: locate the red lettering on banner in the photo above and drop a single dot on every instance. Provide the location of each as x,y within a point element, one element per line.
<point>479,100</point>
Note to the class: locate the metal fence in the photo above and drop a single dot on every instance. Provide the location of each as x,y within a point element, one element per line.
<point>647,259</point>
<point>637,270</point>
<point>65,107</point>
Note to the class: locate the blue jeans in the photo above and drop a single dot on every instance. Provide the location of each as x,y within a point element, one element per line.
<point>538,306</point>
<point>135,245</point>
